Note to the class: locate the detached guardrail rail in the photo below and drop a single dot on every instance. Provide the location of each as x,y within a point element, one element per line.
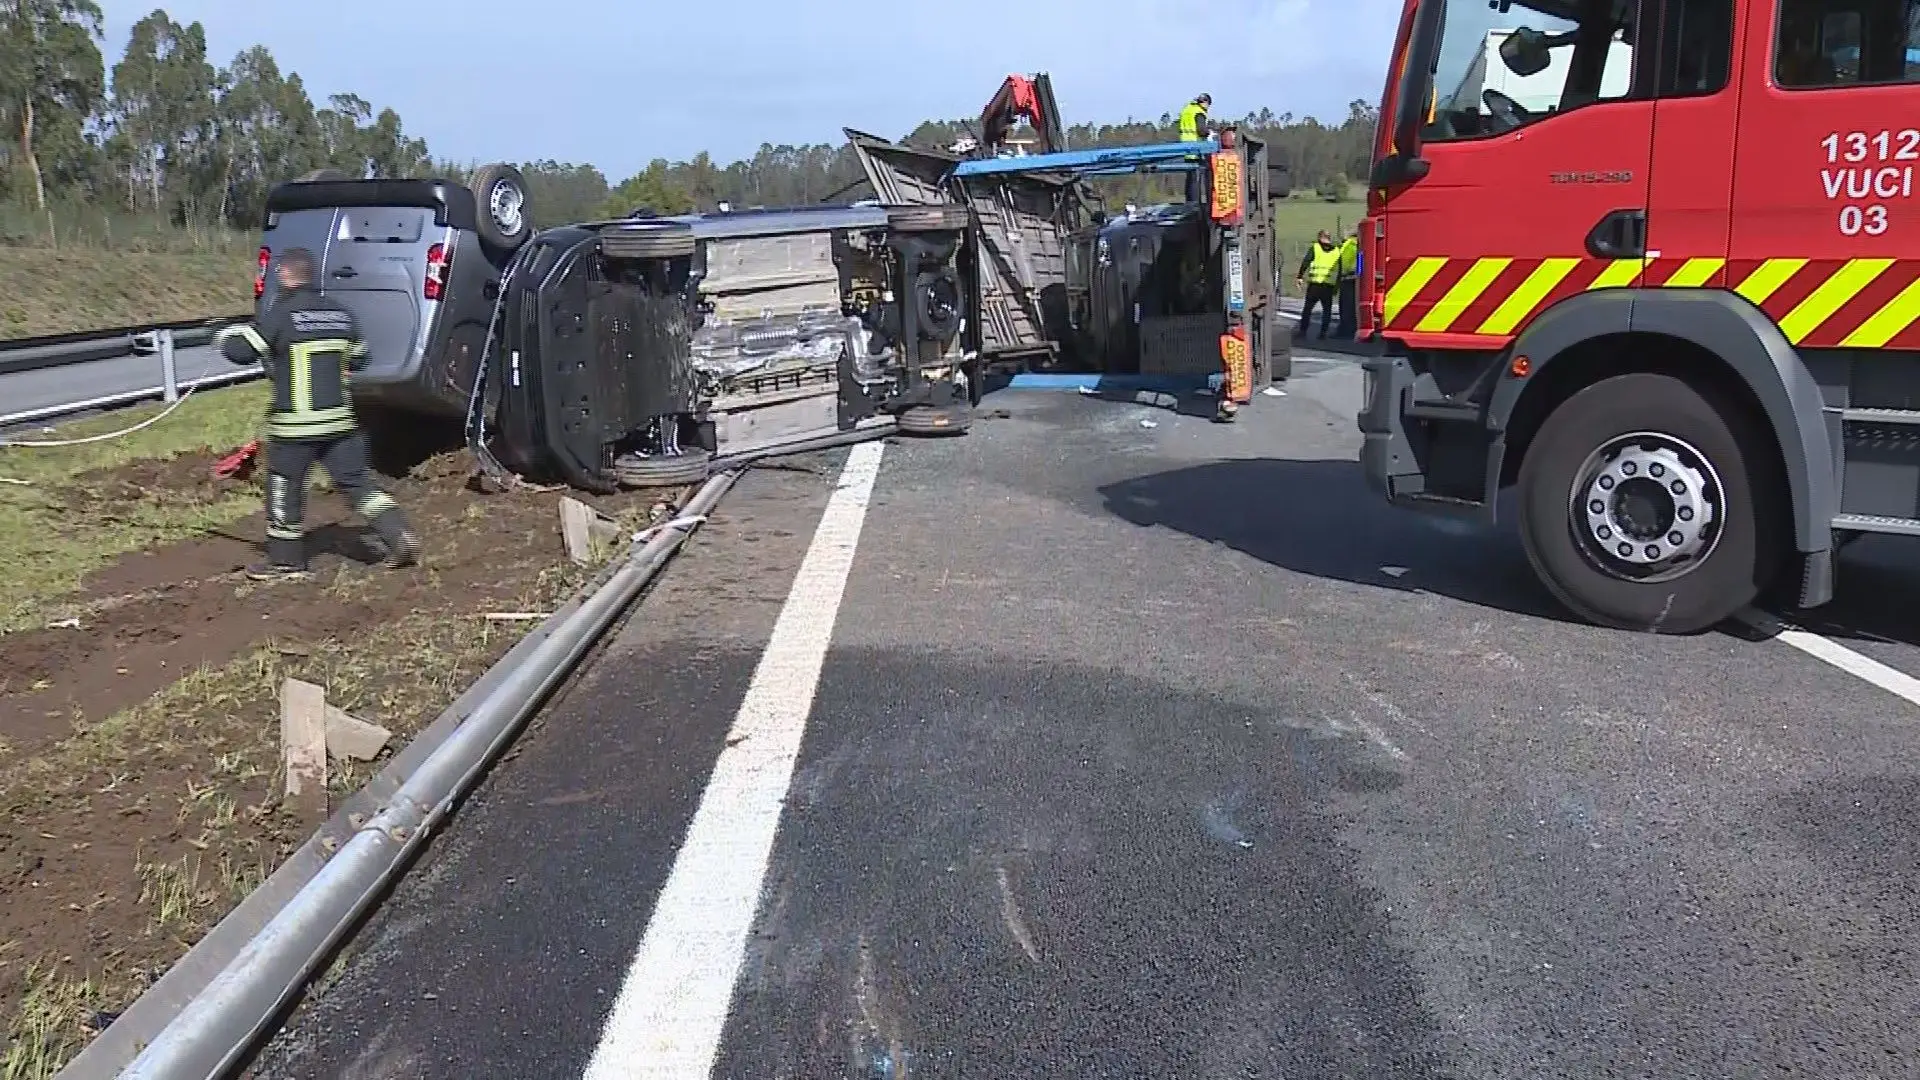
<point>110,368</point>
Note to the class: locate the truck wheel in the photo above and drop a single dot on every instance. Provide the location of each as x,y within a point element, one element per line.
<point>953,419</point>
<point>672,470</point>
<point>1639,507</point>
<point>1279,351</point>
<point>504,218</point>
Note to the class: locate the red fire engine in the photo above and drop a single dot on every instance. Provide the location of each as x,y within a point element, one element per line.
<point>1655,264</point>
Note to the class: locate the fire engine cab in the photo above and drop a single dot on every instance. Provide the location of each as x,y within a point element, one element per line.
<point>1654,265</point>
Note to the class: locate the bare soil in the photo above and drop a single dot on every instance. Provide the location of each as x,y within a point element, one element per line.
<point>139,740</point>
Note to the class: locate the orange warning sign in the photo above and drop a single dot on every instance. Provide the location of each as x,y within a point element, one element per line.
<point>1227,187</point>
<point>1238,362</point>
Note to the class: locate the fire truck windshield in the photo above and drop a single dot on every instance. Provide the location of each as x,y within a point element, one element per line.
<point>1501,66</point>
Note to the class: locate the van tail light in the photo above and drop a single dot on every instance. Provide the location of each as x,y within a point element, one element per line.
<point>260,275</point>
<point>436,283</point>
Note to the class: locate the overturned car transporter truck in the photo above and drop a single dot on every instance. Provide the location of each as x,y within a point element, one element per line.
<point>646,351</point>
<point>1182,292</point>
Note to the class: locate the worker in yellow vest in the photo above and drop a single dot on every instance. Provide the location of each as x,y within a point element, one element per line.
<point>1349,283</point>
<point>1193,128</point>
<point>1193,118</point>
<point>1320,273</point>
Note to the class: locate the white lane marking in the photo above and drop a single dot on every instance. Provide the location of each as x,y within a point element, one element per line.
<point>1893,681</point>
<point>673,1005</point>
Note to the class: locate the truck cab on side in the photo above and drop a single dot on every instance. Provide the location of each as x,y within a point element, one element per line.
<point>1654,265</point>
<point>418,262</point>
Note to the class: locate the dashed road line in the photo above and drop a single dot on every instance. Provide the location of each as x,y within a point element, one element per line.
<point>672,1008</point>
<point>1892,680</point>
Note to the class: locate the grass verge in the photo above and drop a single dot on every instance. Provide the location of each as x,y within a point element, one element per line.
<point>57,526</point>
<point>62,292</point>
<point>130,836</point>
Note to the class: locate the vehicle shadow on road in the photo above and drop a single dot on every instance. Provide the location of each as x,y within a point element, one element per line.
<point>1319,518</point>
<point>1876,594</point>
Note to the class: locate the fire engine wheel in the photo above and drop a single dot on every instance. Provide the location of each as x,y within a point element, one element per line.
<point>671,470</point>
<point>1641,507</point>
<point>952,419</point>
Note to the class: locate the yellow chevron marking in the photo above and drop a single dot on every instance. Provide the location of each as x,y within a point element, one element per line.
<point>1767,278</point>
<point>1694,273</point>
<point>1464,292</point>
<point>1619,274</point>
<point>1544,279</point>
<point>1408,286</point>
<point>1887,323</point>
<point>1844,285</point>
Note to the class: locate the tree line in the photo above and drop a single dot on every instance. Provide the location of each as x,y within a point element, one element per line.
<point>165,132</point>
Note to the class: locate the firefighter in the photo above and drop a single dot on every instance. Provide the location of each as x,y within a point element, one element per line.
<point>1349,284</point>
<point>308,344</point>
<point>1320,272</point>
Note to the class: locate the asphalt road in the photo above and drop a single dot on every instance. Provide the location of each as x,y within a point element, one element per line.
<point>1108,742</point>
<point>29,394</point>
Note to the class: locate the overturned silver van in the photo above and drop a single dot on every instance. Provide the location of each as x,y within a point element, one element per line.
<point>645,351</point>
<point>418,262</point>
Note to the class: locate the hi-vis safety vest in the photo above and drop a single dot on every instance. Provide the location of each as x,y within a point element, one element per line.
<point>1190,121</point>
<point>1349,257</point>
<point>1325,266</point>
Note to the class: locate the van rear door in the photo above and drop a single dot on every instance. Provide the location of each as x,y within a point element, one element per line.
<point>376,267</point>
<point>309,229</point>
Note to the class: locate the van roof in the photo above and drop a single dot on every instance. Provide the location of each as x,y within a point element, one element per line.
<point>451,203</point>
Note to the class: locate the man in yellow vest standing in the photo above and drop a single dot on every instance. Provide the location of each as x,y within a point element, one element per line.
<point>1193,128</point>
<point>1320,272</point>
<point>1349,284</point>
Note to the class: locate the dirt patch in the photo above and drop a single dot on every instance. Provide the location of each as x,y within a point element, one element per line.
<point>139,757</point>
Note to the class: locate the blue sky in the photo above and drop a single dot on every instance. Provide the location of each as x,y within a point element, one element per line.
<point>618,83</point>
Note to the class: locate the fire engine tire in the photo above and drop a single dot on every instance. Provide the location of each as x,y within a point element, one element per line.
<point>1617,436</point>
<point>503,208</point>
<point>952,419</point>
<point>689,467</point>
<point>320,176</point>
<point>927,219</point>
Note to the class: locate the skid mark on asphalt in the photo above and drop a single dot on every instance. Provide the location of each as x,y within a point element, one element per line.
<point>673,1004</point>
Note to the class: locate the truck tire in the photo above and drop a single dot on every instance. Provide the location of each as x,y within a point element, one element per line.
<point>1279,351</point>
<point>1648,465</point>
<point>503,215</point>
<point>320,176</point>
<point>635,471</point>
<point>936,420</point>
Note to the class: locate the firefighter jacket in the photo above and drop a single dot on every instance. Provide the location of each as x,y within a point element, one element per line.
<point>308,344</point>
<point>1349,257</point>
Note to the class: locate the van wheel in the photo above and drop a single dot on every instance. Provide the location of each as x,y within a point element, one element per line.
<point>1642,507</point>
<point>672,470</point>
<point>322,176</point>
<point>504,212</point>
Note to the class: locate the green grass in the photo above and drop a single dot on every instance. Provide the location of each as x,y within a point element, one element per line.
<point>44,291</point>
<point>52,534</point>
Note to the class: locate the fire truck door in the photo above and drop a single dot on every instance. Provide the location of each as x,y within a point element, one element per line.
<point>1695,115</point>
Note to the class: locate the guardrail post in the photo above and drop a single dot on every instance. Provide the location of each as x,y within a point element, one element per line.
<point>169,379</point>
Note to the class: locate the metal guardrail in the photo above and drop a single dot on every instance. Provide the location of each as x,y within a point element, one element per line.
<point>34,353</point>
<point>158,340</point>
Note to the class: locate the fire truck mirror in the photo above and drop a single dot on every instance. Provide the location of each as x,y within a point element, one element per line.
<point>1525,52</point>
